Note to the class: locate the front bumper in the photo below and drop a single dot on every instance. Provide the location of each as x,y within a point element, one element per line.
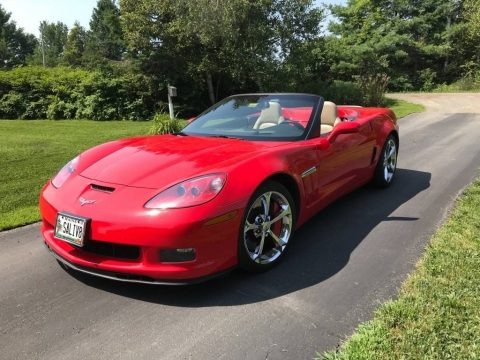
<point>130,278</point>
<point>211,229</point>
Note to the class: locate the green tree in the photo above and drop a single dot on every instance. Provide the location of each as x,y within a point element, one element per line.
<point>75,45</point>
<point>51,44</point>
<point>300,47</point>
<point>225,42</point>
<point>215,48</point>
<point>105,38</point>
<point>15,45</point>
<point>470,33</point>
<point>472,11</point>
<point>198,42</point>
<point>413,39</point>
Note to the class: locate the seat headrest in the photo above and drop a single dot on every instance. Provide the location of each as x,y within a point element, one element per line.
<point>273,112</point>
<point>329,113</point>
<point>270,116</point>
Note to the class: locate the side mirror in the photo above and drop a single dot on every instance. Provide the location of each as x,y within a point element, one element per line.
<point>346,127</point>
<point>191,119</point>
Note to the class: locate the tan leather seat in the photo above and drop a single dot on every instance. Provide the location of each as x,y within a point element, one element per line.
<point>329,118</point>
<point>270,116</point>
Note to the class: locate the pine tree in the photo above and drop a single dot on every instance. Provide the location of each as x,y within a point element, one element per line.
<point>105,39</point>
<point>414,41</point>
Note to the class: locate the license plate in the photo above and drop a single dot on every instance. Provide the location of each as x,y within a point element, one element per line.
<point>71,229</point>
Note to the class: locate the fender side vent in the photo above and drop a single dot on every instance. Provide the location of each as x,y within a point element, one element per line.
<point>106,189</point>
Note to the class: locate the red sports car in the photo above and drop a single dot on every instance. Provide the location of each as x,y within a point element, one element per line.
<point>228,190</point>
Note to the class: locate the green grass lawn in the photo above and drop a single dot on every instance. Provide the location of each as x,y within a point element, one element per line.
<point>33,151</point>
<point>403,108</point>
<point>437,313</point>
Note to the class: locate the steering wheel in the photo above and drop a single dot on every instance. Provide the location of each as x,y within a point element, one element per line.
<point>292,123</point>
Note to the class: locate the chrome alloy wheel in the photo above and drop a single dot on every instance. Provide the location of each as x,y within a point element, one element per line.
<point>268,227</point>
<point>389,160</point>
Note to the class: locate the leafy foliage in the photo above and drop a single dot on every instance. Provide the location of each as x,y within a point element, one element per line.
<point>416,43</point>
<point>15,45</point>
<point>53,37</point>
<point>64,93</point>
<point>162,124</point>
<point>105,39</point>
<point>11,105</point>
<point>210,49</point>
<point>75,45</point>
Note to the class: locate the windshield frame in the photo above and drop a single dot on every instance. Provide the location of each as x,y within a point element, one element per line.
<point>313,121</point>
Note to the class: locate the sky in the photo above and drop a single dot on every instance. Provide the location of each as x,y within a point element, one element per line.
<point>28,13</point>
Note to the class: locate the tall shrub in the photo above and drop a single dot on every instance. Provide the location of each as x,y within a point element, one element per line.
<point>66,93</point>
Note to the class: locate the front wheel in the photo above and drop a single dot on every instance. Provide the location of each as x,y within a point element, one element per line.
<point>387,164</point>
<point>267,227</point>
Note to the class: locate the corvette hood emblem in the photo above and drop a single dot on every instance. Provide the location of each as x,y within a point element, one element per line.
<point>84,201</point>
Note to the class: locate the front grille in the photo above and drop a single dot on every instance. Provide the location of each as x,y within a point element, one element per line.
<point>127,252</point>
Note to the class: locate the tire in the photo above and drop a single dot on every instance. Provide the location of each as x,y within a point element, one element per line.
<point>387,163</point>
<point>264,235</point>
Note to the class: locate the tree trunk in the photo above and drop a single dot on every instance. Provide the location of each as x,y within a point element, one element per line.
<point>211,90</point>
<point>445,63</point>
<point>217,88</point>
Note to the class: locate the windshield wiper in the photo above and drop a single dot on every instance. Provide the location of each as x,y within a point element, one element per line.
<point>180,133</point>
<point>225,137</point>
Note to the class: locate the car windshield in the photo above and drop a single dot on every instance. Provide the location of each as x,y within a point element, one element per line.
<point>257,117</point>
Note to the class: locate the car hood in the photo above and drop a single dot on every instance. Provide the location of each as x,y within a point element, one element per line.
<point>158,161</point>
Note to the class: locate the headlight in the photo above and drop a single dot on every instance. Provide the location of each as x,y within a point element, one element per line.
<point>65,173</point>
<point>192,192</point>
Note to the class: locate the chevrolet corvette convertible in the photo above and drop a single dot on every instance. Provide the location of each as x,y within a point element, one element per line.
<point>229,190</point>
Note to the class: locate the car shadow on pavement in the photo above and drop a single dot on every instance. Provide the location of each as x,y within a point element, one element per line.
<point>320,249</point>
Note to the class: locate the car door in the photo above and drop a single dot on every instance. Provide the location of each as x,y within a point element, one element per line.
<point>342,158</point>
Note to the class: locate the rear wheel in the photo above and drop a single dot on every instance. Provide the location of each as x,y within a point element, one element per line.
<point>387,164</point>
<point>267,227</point>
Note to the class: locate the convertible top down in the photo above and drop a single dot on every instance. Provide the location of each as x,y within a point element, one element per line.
<point>228,190</point>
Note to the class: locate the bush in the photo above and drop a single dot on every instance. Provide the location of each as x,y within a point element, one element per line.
<point>427,78</point>
<point>373,89</point>
<point>34,92</point>
<point>11,105</point>
<point>36,110</point>
<point>368,91</point>
<point>60,109</point>
<point>344,93</point>
<point>162,124</point>
<point>468,83</point>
